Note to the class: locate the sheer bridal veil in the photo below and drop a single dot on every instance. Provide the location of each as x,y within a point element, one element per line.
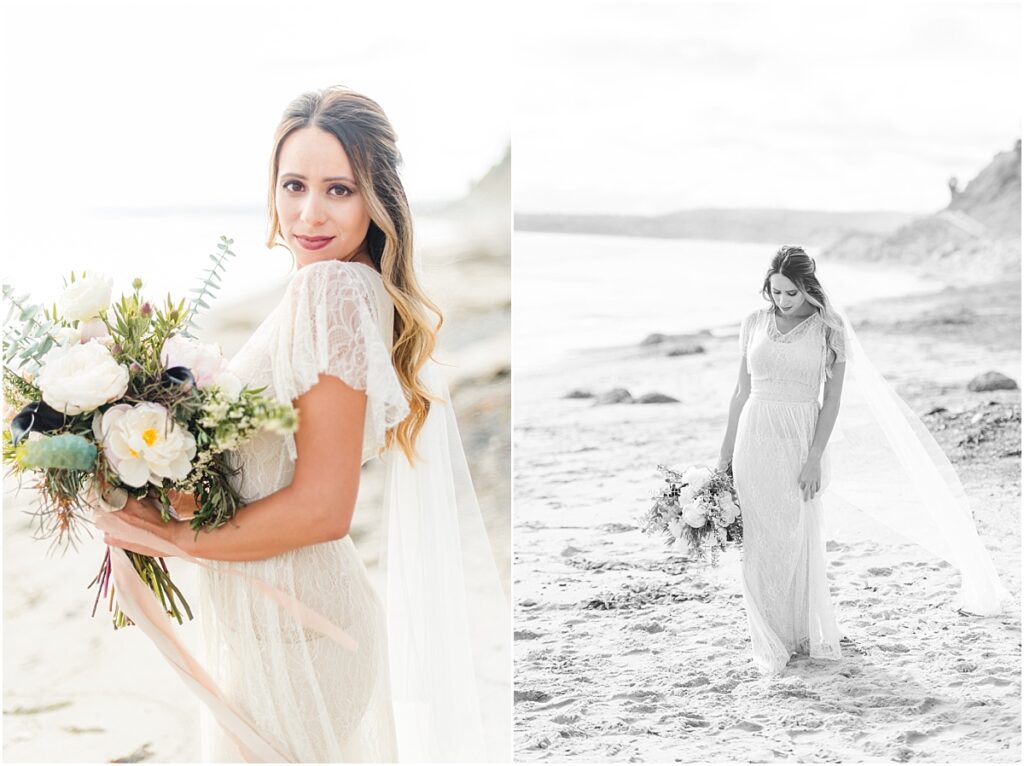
<point>885,463</point>
<point>449,625</point>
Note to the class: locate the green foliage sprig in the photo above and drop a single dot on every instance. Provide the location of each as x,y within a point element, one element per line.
<point>209,285</point>
<point>28,331</point>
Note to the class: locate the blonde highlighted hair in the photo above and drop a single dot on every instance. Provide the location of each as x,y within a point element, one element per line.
<point>369,141</point>
<point>798,267</point>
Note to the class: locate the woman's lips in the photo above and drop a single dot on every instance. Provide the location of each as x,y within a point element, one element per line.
<point>313,243</point>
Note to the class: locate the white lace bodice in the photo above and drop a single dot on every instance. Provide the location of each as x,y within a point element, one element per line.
<point>786,367</point>
<point>335,318</point>
<point>314,700</point>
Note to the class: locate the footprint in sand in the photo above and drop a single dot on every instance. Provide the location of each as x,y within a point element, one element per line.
<point>747,726</point>
<point>525,635</point>
<point>648,627</point>
<point>994,681</point>
<point>913,737</point>
<point>565,718</point>
<point>531,695</point>
<point>692,682</point>
<point>903,754</point>
<point>638,696</point>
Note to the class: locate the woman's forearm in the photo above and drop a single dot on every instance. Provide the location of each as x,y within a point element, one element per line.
<point>280,522</point>
<point>736,404</point>
<point>823,430</point>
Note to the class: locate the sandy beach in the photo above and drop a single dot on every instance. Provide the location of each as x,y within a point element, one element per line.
<point>76,691</point>
<point>626,651</point>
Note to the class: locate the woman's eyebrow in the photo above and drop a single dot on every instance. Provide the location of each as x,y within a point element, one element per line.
<point>326,180</point>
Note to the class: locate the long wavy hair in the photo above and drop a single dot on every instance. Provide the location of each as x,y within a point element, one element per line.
<point>369,141</point>
<point>798,267</point>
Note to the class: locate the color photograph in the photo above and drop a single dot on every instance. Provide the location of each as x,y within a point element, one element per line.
<point>257,384</point>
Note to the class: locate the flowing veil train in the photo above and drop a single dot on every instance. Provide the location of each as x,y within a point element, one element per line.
<point>887,464</point>
<point>449,625</point>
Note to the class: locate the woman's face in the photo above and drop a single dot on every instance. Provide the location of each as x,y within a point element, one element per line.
<point>322,212</point>
<point>786,295</point>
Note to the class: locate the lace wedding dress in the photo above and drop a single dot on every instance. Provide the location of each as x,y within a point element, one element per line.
<point>314,699</point>
<point>785,589</point>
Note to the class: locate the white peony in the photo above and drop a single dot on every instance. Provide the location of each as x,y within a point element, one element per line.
<point>694,515</point>
<point>697,476</point>
<point>204,360</point>
<point>142,443</point>
<point>229,383</point>
<point>729,508</point>
<point>85,298</point>
<point>81,378</point>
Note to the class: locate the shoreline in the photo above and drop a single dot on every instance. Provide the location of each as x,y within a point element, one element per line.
<point>625,652</point>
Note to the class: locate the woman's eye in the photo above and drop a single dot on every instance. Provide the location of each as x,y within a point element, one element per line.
<point>288,184</point>
<point>342,191</point>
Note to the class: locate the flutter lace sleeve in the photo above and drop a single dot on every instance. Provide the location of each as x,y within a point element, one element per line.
<point>746,327</point>
<point>329,325</point>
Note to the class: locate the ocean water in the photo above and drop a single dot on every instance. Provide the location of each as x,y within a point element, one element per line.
<point>578,291</point>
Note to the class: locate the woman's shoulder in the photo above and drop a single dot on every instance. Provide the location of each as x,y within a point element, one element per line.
<point>337,280</point>
<point>756,315</point>
<point>334,270</point>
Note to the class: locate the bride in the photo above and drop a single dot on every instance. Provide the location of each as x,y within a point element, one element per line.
<point>350,345</point>
<point>777,441</point>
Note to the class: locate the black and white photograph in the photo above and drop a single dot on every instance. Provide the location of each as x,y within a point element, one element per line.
<point>766,381</point>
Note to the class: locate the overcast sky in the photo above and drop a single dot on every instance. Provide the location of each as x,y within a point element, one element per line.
<point>649,107</point>
<point>162,104</point>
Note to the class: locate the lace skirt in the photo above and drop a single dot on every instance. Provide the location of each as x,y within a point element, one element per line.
<point>315,700</point>
<point>785,589</point>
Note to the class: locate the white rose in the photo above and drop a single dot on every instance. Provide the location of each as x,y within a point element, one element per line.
<point>143,444</point>
<point>203,360</point>
<point>81,378</point>
<point>229,383</point>
<point>85,298</point>
<point>95,328</point>
<point>68,336</point>
<point>694,515</point>
<point>697,476</point>
<point>729,508</point>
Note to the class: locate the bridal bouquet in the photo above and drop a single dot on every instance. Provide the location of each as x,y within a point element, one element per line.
<point>117,399</point>
<point>697,507</point>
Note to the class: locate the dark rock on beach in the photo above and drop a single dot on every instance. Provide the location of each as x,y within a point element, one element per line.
<point>614,396</point>
<point>577,393</point>
<point>655,398</point>
<point>654,339</point>
<point>992,381</point>
<point>685,350</point>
